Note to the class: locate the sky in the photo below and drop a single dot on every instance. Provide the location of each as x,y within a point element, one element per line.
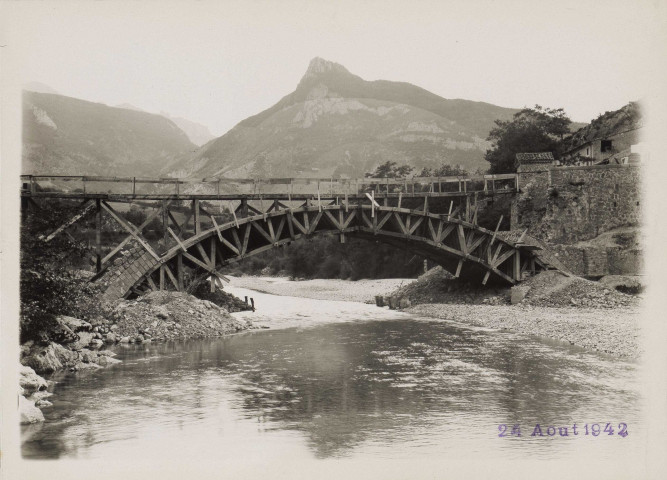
<point>217,63</point>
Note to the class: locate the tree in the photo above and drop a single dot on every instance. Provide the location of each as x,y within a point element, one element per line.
<point>49,282</point>
<point>389,169</point>
<point>532,130</point>
<point>444,170</point>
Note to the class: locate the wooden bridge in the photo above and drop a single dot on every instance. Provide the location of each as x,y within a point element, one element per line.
<point>272,213</point>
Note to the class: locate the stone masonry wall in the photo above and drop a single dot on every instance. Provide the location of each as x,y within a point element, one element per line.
<point>129,266</point>
<point>568,206</point>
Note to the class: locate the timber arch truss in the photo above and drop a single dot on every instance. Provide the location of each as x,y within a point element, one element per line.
<point>461,247</point>
<point>186,256</point>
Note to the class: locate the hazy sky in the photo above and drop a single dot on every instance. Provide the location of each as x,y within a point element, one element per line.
<point>218,63</point>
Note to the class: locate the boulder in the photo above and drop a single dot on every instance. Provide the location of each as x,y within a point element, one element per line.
<point>103,361</point>
<point>84,339</point>
<point>110,338</point>
<point>75,324</point>
<point>124,339</point>
<point>88,357</point>
<point>96,343</point>
<point>518,293</point>
<point>30,382</point>
<point>28,412</point>
<point>49,358</point>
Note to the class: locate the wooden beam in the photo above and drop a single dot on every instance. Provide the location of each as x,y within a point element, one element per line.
<point>179,270</point>
<point>486,277</point>
<point>384,220</point>
<point>462,238</point>
<point>195,207</point>
<point>171,276</point>
<point>477,243</point>
<point>504,257</point>
<point>246,237</point>
<point>85,208</point>
<point>414,226</point>
<point>400,223</point>
<point>98,236</point>
<point>130,230</point>
<point>290,226</point>
<point>178,240</point>
<point>217,227</point>
<point>349,218</point>
<point>272,232</point>
<point>434,234</point>
<point>151,283</point>
<point>313,225</point>
<point>203,253</point>
<point>333,219</point>
<point>281,226</point>
<point>263,232</point>
<point>237,241</point>
<point>138,231</point>
<point>516,266</point>
<point>458,268</point>
<point>197,262</point>
<point>302,228</point>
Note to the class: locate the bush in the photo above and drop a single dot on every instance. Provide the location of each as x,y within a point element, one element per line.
<point>50,285</point>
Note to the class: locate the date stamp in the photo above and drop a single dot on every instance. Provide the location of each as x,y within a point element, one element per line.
<point>574,430</point>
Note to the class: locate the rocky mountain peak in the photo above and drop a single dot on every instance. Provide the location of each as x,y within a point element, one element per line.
<point>319,66</point>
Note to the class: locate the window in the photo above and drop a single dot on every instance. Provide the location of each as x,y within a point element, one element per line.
<point>605,146</point>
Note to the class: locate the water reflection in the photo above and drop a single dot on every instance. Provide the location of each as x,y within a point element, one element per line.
<point>383,388</point>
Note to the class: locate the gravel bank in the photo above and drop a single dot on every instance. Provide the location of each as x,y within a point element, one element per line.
<point>320,289</point>
<point>616,334</point>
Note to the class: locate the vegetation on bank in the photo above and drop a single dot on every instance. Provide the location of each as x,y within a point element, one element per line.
<point>51,283</point>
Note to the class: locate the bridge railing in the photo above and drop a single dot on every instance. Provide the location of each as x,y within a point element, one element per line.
<point>43,185</point>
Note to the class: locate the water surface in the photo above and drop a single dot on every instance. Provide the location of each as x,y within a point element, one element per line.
<point>333,380</point>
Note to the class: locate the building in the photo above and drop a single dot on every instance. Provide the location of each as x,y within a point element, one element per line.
<point>611,149</point>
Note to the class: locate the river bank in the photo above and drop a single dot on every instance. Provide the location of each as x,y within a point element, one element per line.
<point>77,345</point>
<point>323,289</point>
<point>615,332</point>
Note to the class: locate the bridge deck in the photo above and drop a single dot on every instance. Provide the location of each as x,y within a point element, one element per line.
<point>139,188</point>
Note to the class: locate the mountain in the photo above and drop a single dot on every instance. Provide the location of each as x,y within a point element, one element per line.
<point>336,123</point>
<point>68,136</point>
<point>196,132</point>
<point>129,106</point>
<point>38,87</point>
<point>608,124</point>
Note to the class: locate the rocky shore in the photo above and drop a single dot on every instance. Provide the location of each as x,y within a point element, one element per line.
<point>617,334</point>
<point>78,345</point>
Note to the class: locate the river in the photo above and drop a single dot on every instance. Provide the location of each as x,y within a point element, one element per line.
<point>343,380</point>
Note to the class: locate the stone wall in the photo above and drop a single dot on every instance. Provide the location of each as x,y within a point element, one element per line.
<point>128,267</point>
<point>566,207</point>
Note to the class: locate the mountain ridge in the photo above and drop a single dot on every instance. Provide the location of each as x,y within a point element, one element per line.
<point>68,136</point>
<point>336,123</point>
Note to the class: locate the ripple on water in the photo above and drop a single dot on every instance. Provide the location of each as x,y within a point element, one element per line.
<point>335,380</point>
